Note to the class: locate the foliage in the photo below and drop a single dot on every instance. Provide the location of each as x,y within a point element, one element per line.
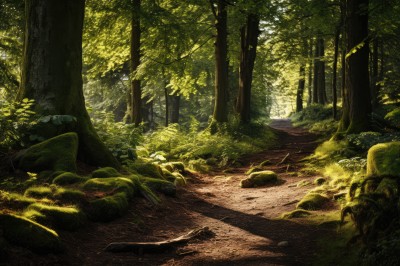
<point>317,117</point>
<point>366,140</point>
<point>15,121</point>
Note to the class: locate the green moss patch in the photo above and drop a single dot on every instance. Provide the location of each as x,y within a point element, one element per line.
<point>312,201</point>
<point>389,187</point>
<point>175,166</point>
<point>105,172</point>
<point>39,192</point>
<point>265,163</point>
<point>296,214</point>
<point>384,159</point>
<point>254,169</point>
<point>68,178</point>
<point>70,195</point>
<point>168,175</point>
<point>108,208</point>
<point>111,185</point>
<point>15,200</point>
<point>319,181</point>
<point>67,218</point>
<point>159,185</point>
<point>147,169</point>
<point>257,179</point>
<point>303,183</point>
<point>27,233</point>
<point>57,154</point>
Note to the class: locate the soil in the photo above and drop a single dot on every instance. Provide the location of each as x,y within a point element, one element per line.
<point>245,224</point>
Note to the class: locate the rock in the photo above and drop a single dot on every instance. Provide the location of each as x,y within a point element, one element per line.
<point>68,178</point>
<point>312,201</point>
<point>257,179</point>
<point>159,185</point>
<point>296,214</point>
<point>147,169</point>
<point>384,159</point>
<point>283,244</point>
<point>108,208</point>
<point>27,233</point>
<point>111,184</point>
<point>105,172</point>
<point>56,154</point>
<point>254,169</point>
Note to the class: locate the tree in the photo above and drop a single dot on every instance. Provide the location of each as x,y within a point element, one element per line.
<point>52,67</point>
<point>220,114</point>
<point>249,40</point>
<point>356,112</point>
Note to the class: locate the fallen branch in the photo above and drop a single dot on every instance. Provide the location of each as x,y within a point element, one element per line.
<point>284,159</point>
<point>141,247</point>
<point>290,202</point>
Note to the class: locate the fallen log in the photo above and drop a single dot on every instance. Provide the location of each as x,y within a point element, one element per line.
<point>142,247</point>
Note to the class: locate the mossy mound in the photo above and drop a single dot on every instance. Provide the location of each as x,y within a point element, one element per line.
<point>319,181</point>
<point>312,201</point>
<point>15,200</point>
<point>168,175</point>
<point>257,179</point>
<point>180,180</point>
<point>389,187</point>
<point>68,178</point>
<point>70,195</point>
<point>296,214</point>
<point>147,169</point>
<point>57,154</point>
<point>27,233</point>
<point>254,169</point>
<point>175,166</point>
<point>394,117</point>
<point>108,208</point>
<point>159,185</point>
<point>39,192</point>
<point>111,184</point>
<point>384,159</point>
<point>265,163</point>
<point>105,172</point>
<point>67,218</point>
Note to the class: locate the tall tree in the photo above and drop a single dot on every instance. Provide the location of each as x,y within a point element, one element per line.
<point>356,115</point>
<point>220,114</point>
<point>52,67</point>
<point>248,48</point>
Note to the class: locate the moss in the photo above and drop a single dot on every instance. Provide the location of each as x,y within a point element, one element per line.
<point>15,199</point>
<point>319,181</point>
<point>265,163</point>
<point>175,166</point>
<point>257,179</point>
<point>108,208</point>
<point>393,117</point>
<point>254,169</point>
<point>389,187</point>
<point>159,185</point>
<point>39,192</point>
<point>105,172</point>
<point>57,154</point>
<point>70,195</point>
<point>27,233</point>
<point>68,178</point>
<point>35,216</point>
<point>384,159</point>
<point>180,180</point>
<point>199,165</point>
<point>303,183</point>
<point>111,184</point>
<point>68,218</point>
<point>312,201</point>
<point>168,175</point>
<point>146,169</point>
<point>296,214</point>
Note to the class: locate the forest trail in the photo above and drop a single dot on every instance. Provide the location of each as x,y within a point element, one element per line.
<point>245,224</point>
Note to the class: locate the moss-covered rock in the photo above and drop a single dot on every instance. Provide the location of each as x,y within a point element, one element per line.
<point>168,175</point>
<point>67,218</point>
<point>265,163</point>
<point>69,195</point>
<point>389,187</point>
<point>312,201</point>
<point>108,208</point>
<point>180,180</point>
<point>319,181</point>
<point>175,166</point>
<point>384,159</point>
<point>159,185</point>
<point>105,172</point>
<point>111,184</point>
<point>147,169</point>
<point>27,233</point>
<point>68,178</point>
<point>58,153</point>
<point>39,192</point>
<point>15,200</point>
<point>257,179</point>
<point>296,214</point>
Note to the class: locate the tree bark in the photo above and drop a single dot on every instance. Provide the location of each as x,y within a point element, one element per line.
<point>136,91</point>
<point>166,105</point>
<point>175,100</point>
<point>315,72</point>
<point>334,76</point>
<point>310,72</point>
<point>300,89</point>
<point>52,70</point>
<point>357,78</point>
<point>249,40</point>
<point>321,72</point>
<point>220,114</point>
<point>375,73</point>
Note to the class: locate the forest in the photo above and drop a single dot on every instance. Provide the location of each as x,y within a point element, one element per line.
<point>207,132</point>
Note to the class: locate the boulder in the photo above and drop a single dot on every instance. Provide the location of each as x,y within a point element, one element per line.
<point>384,159</point>
<point>312,201</point>
<point>257,179</point>
<point>57,154</point>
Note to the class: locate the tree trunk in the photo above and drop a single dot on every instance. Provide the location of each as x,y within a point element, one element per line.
<point>220,114</point>
<point>334,76</point>
<point>357,82</point>
<point>166,104</point>
<point>310,72</point>
<point>136,91</point>
<point>52,70</point>
<point>375,74</point>
<point>249,39</point>
<point>316,69</point>
<point>300,89</point>
<point>321,72</point>
<point>175,99</point>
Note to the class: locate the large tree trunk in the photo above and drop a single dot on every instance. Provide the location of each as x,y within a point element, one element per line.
<point>310,71</point>
<point>315,72</point>
<point>249,40</point>
<point>136,91</point>
<point>321,72</point>
<point>300,89</point>
<point>175,102</point>
<point>375,73</point>
<point>357,78</point>
<point>220,114</point>
<point>51,72</point>
<point>334,76</point>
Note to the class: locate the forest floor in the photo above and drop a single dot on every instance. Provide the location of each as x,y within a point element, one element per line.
<point>245,224</point>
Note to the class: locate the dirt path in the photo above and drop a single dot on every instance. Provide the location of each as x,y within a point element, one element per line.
<point>244,221</point>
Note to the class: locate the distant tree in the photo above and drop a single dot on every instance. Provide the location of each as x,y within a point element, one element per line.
<point>52,70</point>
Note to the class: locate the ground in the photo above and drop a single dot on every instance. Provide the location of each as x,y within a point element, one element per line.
<point>245,224</point>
